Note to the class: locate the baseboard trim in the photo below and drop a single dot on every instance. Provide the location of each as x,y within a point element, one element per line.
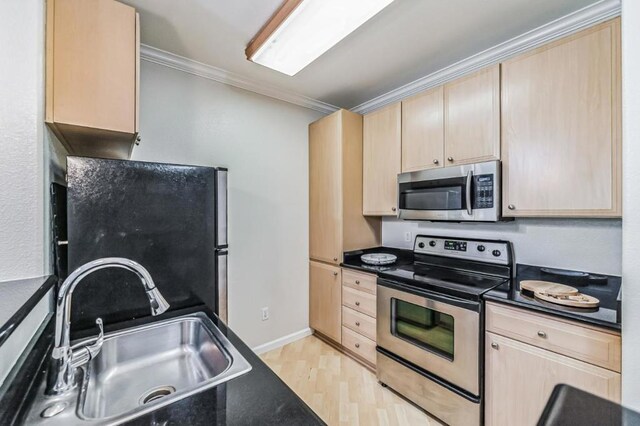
<point>277,343</point>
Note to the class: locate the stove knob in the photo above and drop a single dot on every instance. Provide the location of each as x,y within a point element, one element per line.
<point>421,245</point>
<point>481,248</point>
<point>497,253</point>
<point>432,243</point>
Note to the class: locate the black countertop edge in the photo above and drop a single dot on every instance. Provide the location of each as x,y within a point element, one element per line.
<point>257,397</point>
<point>569,406</point>
<point>12,323</point>
<point>499,296</point>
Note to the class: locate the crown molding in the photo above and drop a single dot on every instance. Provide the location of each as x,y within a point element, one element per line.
<point>180,63</point>
<point>578,20</point>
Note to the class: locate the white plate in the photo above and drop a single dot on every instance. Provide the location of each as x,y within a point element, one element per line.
<point>378,258</point>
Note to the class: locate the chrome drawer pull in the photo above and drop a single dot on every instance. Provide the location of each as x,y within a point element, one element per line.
<point>357,303</point>
<point>358,323</point>
<point>494,345</point>
<point>358,282</point>
<point>357,345</point>
<point>542,334</point>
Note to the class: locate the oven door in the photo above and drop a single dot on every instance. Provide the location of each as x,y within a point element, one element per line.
<point>440,337</point>
<point>470,192</point>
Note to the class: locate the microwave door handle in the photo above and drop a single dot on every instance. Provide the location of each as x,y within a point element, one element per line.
<point>468,191</point>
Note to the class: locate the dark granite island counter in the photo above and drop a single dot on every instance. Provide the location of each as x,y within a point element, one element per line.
<point>259,397</point>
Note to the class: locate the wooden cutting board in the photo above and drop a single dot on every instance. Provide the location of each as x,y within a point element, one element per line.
<point>547,287</point>
<point>575,300</point>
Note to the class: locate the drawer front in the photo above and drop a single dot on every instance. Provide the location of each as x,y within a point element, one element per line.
<point>584,343</point>
<point>360,323</point>
<point>359,300</point>
<point>364,282</point>
<point>358,344</point>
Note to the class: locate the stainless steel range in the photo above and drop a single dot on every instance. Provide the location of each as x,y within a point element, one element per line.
<point>430,324</point>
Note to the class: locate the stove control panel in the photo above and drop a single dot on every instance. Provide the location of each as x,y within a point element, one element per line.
<point>460,248</point>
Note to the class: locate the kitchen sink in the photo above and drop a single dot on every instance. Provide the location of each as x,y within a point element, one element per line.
<point>141,369</point>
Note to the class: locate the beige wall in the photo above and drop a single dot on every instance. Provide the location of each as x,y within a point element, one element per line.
<point>263,142</point>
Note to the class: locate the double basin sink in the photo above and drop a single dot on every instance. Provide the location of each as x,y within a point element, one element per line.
<point>142,369</point>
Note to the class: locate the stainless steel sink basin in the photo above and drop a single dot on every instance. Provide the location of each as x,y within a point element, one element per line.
<point>144,368</point>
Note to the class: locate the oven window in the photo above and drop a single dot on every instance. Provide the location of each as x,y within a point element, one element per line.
<point>424,327</point>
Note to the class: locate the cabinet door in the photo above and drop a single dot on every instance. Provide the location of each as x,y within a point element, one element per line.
<point>92,81</point>
<point>520,378</point>
<point>561,127</point>
<point>325,190</point>
<point>381,161</point>
<point>325,300</point>
<point>472,118</point>
<point>423,131</point>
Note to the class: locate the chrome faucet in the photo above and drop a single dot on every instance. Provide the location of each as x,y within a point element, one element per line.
<point>64,358</point>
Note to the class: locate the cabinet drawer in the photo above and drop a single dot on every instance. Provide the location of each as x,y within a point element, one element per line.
<point>359,300</point>
<point>364,282</point>
<point>584,343</point>
<point>360,323</point>
<point>358,344</point>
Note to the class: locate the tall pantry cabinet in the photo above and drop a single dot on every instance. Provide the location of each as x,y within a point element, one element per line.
<point>336,223</point>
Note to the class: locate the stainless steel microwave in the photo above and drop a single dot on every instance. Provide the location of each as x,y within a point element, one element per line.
<point>470,192</point>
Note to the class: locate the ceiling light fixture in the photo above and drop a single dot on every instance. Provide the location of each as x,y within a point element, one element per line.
<point>302,30</point>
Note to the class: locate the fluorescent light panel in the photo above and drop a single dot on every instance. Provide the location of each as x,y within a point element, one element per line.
<point>313,27</point>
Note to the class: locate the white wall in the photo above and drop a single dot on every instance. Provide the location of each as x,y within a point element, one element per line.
<point>192,120</point>
<point>631,204</point>
<point>589,245</point>
<point>22,172</point>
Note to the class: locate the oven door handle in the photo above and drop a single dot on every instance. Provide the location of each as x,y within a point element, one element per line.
<point>437,297</point>
<point>468,191</point>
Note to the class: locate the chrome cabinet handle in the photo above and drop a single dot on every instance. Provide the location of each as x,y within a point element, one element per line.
<point>511,207</point>
<point>436,161</point>
<point>542,334</point>
<point>358,323</point>
<point>357,303</point>
<point>494,345</point>
<point>335,274</point>
<point>358,282</point>
<point>335,259</point>
<point>357,345</point>
<point>450,158</point>
<point>393,209</point>
<point>468,192</point>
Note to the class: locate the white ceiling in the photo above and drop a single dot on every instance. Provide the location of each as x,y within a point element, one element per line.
<point>406,41</point>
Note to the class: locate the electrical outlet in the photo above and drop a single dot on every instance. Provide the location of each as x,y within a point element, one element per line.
<point>265,313</point>
<point>407,236</point>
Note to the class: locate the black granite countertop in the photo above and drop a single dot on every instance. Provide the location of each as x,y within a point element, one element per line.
<point>352,259</point>
<point>569,406</point>
<point>259,397</point>
<point>604,287</point>
<point>18,298</point>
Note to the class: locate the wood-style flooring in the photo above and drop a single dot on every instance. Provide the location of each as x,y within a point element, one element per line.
<point>339,389</point>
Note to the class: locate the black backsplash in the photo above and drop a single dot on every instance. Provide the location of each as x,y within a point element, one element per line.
<point>159,215</point>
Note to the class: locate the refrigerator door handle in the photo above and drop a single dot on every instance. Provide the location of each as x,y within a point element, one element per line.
<point>222,213</point>
<point>223,306</point>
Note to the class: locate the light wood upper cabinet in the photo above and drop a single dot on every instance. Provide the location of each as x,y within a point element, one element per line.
<point>325,300</point>
<point>423,131</point>
<point>561,136</point>
<point>381,161</point>
<point>520,377</point>
<point>336,223</point>
<point>92,74</point>
<point>472,118</point>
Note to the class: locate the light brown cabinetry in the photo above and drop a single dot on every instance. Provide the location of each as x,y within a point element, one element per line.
<point>325,300</point>
<point>92,76</point>
<point>359,315</point>
<point>527,354</point>
<point>381,161</point>
<point>423,131</point>
<point>472,117</point>
<point>561,137</point>
<point>336,223</point>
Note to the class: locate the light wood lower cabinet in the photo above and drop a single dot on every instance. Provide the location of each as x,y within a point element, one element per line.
<point>359,315</point>
<point>520,377</point>
<point>325,300</point>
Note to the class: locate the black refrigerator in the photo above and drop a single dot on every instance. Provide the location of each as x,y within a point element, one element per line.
<point>170,218</point>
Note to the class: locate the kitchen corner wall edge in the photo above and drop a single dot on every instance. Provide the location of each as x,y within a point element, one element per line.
<point>581,19</point>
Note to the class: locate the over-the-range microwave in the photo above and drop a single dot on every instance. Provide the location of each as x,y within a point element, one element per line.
<point>470,192</point>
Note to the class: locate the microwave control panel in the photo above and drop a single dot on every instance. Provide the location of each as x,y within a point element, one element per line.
<point>483,192</point>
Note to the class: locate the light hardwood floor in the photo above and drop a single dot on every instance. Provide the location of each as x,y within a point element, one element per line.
<point>338,389</point>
